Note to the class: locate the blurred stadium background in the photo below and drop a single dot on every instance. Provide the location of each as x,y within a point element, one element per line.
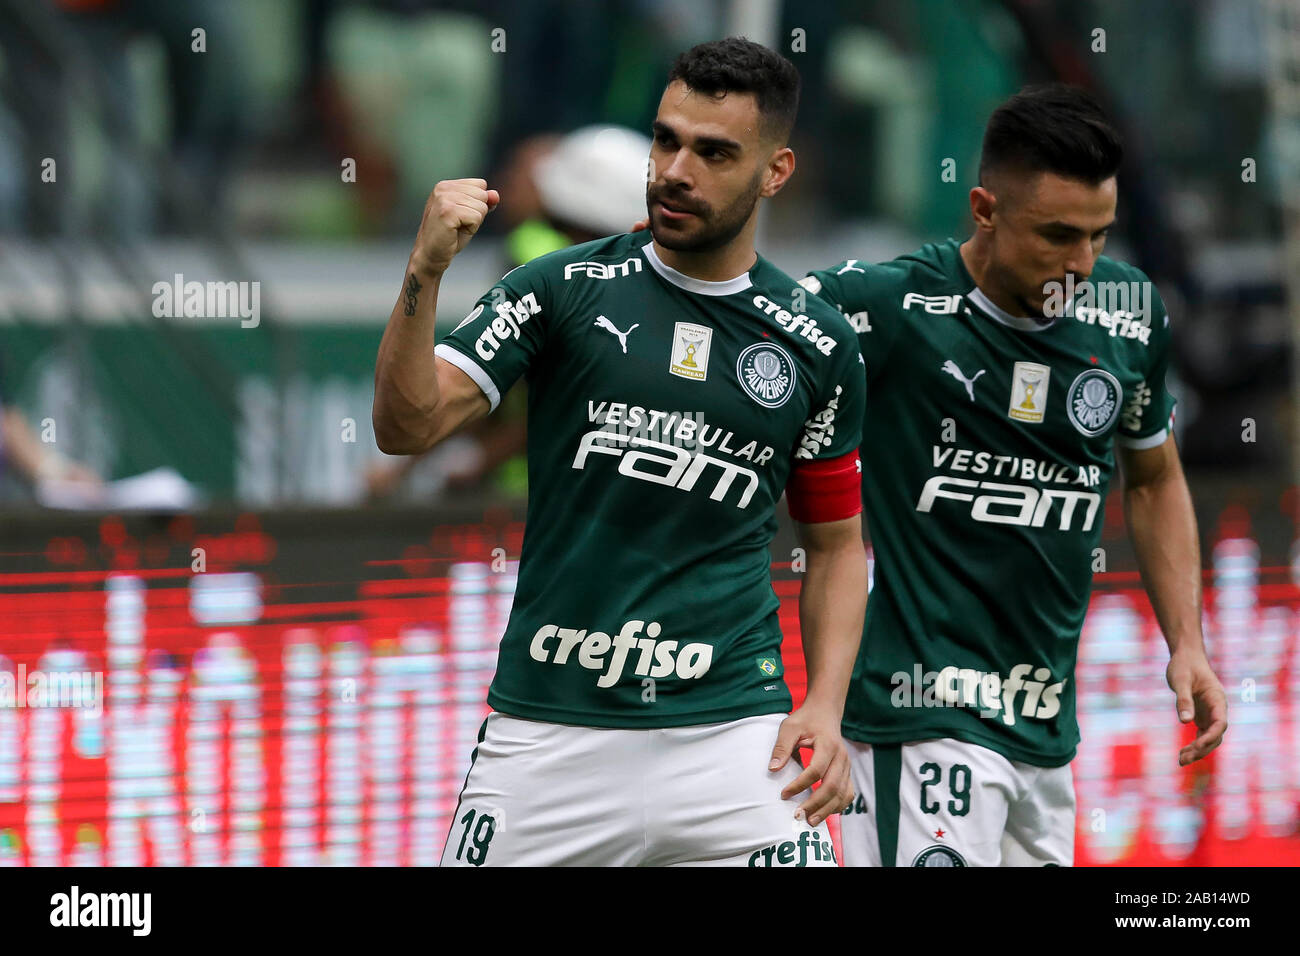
<point>296,632</point>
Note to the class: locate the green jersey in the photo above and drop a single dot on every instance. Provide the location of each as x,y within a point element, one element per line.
<point>991,439</point>
<point>664,416</point>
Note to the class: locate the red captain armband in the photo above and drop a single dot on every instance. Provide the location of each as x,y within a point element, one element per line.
<point>826,489</point>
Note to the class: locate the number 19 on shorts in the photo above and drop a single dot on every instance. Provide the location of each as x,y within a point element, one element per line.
<point>477,830</point>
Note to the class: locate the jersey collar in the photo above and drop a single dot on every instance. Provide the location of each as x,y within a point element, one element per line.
<point>1021,322</point>
<point>986,305</point>
<point>689,283</point>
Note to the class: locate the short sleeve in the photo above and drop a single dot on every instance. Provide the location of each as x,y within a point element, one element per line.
<point>1146,420</point>
<point>835,427</point>
<point>503,334</point>
<point>847,286</point>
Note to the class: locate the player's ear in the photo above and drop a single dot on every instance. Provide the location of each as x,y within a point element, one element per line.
<point>982,204</point>
<point>779,169</point>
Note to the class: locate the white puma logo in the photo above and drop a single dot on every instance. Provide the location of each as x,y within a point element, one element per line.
<point>951,368</point>
<point>848,267</point>
<point>608,326</point>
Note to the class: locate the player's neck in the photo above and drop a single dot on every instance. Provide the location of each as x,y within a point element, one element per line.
<point>713,265</point>
<point>975,256</point>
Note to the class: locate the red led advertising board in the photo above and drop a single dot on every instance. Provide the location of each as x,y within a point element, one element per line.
<point>235,717</point>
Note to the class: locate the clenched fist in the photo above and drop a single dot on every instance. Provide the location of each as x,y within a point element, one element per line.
<point>452,214</point>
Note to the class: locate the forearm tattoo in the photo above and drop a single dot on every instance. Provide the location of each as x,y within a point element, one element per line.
<point>412,294</point>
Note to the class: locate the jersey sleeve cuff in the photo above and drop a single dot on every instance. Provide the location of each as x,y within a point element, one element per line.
<point>473,370</point>
<point>1148,441</point>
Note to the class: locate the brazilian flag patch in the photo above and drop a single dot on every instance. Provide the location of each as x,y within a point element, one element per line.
<point>767,665</point>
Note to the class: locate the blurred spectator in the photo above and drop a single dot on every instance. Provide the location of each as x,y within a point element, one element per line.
<point>32,460</point>
<point>70,60</point>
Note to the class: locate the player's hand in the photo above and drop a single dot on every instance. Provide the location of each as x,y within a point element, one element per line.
<point>818,730</point>
<point>453,212</point>
<point>1200,698</point>
<point>639,225</point>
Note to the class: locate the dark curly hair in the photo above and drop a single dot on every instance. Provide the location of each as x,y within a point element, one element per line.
<point>1054,128</point>
<point>737,65</point>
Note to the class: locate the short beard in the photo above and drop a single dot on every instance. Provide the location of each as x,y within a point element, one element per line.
<point>719,229</point>
<point>1035,314</point>
<point>1032,312</point>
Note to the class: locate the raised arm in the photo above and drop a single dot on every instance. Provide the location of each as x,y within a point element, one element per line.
<point>421,399</point>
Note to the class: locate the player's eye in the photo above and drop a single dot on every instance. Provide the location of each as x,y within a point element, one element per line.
<point>664,140</point>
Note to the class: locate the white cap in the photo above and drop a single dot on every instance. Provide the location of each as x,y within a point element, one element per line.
<point>595,179</point>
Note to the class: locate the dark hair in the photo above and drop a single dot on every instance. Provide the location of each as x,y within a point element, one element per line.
<point>737,65</point>
<point>1056,129</point>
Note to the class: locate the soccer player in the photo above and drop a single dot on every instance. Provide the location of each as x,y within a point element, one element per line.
<point>639,712</point>
<point>1002,388</point>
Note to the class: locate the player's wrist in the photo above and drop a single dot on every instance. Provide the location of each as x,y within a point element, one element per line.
<point>823,706</point>
<point>424,268</point>
<point>1190,649</point>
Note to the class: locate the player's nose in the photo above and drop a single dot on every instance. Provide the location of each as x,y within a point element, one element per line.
<point>1080,262</point>
<point>677,171</point>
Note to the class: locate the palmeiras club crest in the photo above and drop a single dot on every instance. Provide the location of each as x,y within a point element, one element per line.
<point>767,373</point>
<point>1093,401</point>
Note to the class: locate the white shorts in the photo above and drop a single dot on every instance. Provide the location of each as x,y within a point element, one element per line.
<point>949,803</point>
<point>543,794</point>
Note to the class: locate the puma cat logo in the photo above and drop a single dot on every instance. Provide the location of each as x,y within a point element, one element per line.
<point>608,326</point>
<point>951,368</point>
